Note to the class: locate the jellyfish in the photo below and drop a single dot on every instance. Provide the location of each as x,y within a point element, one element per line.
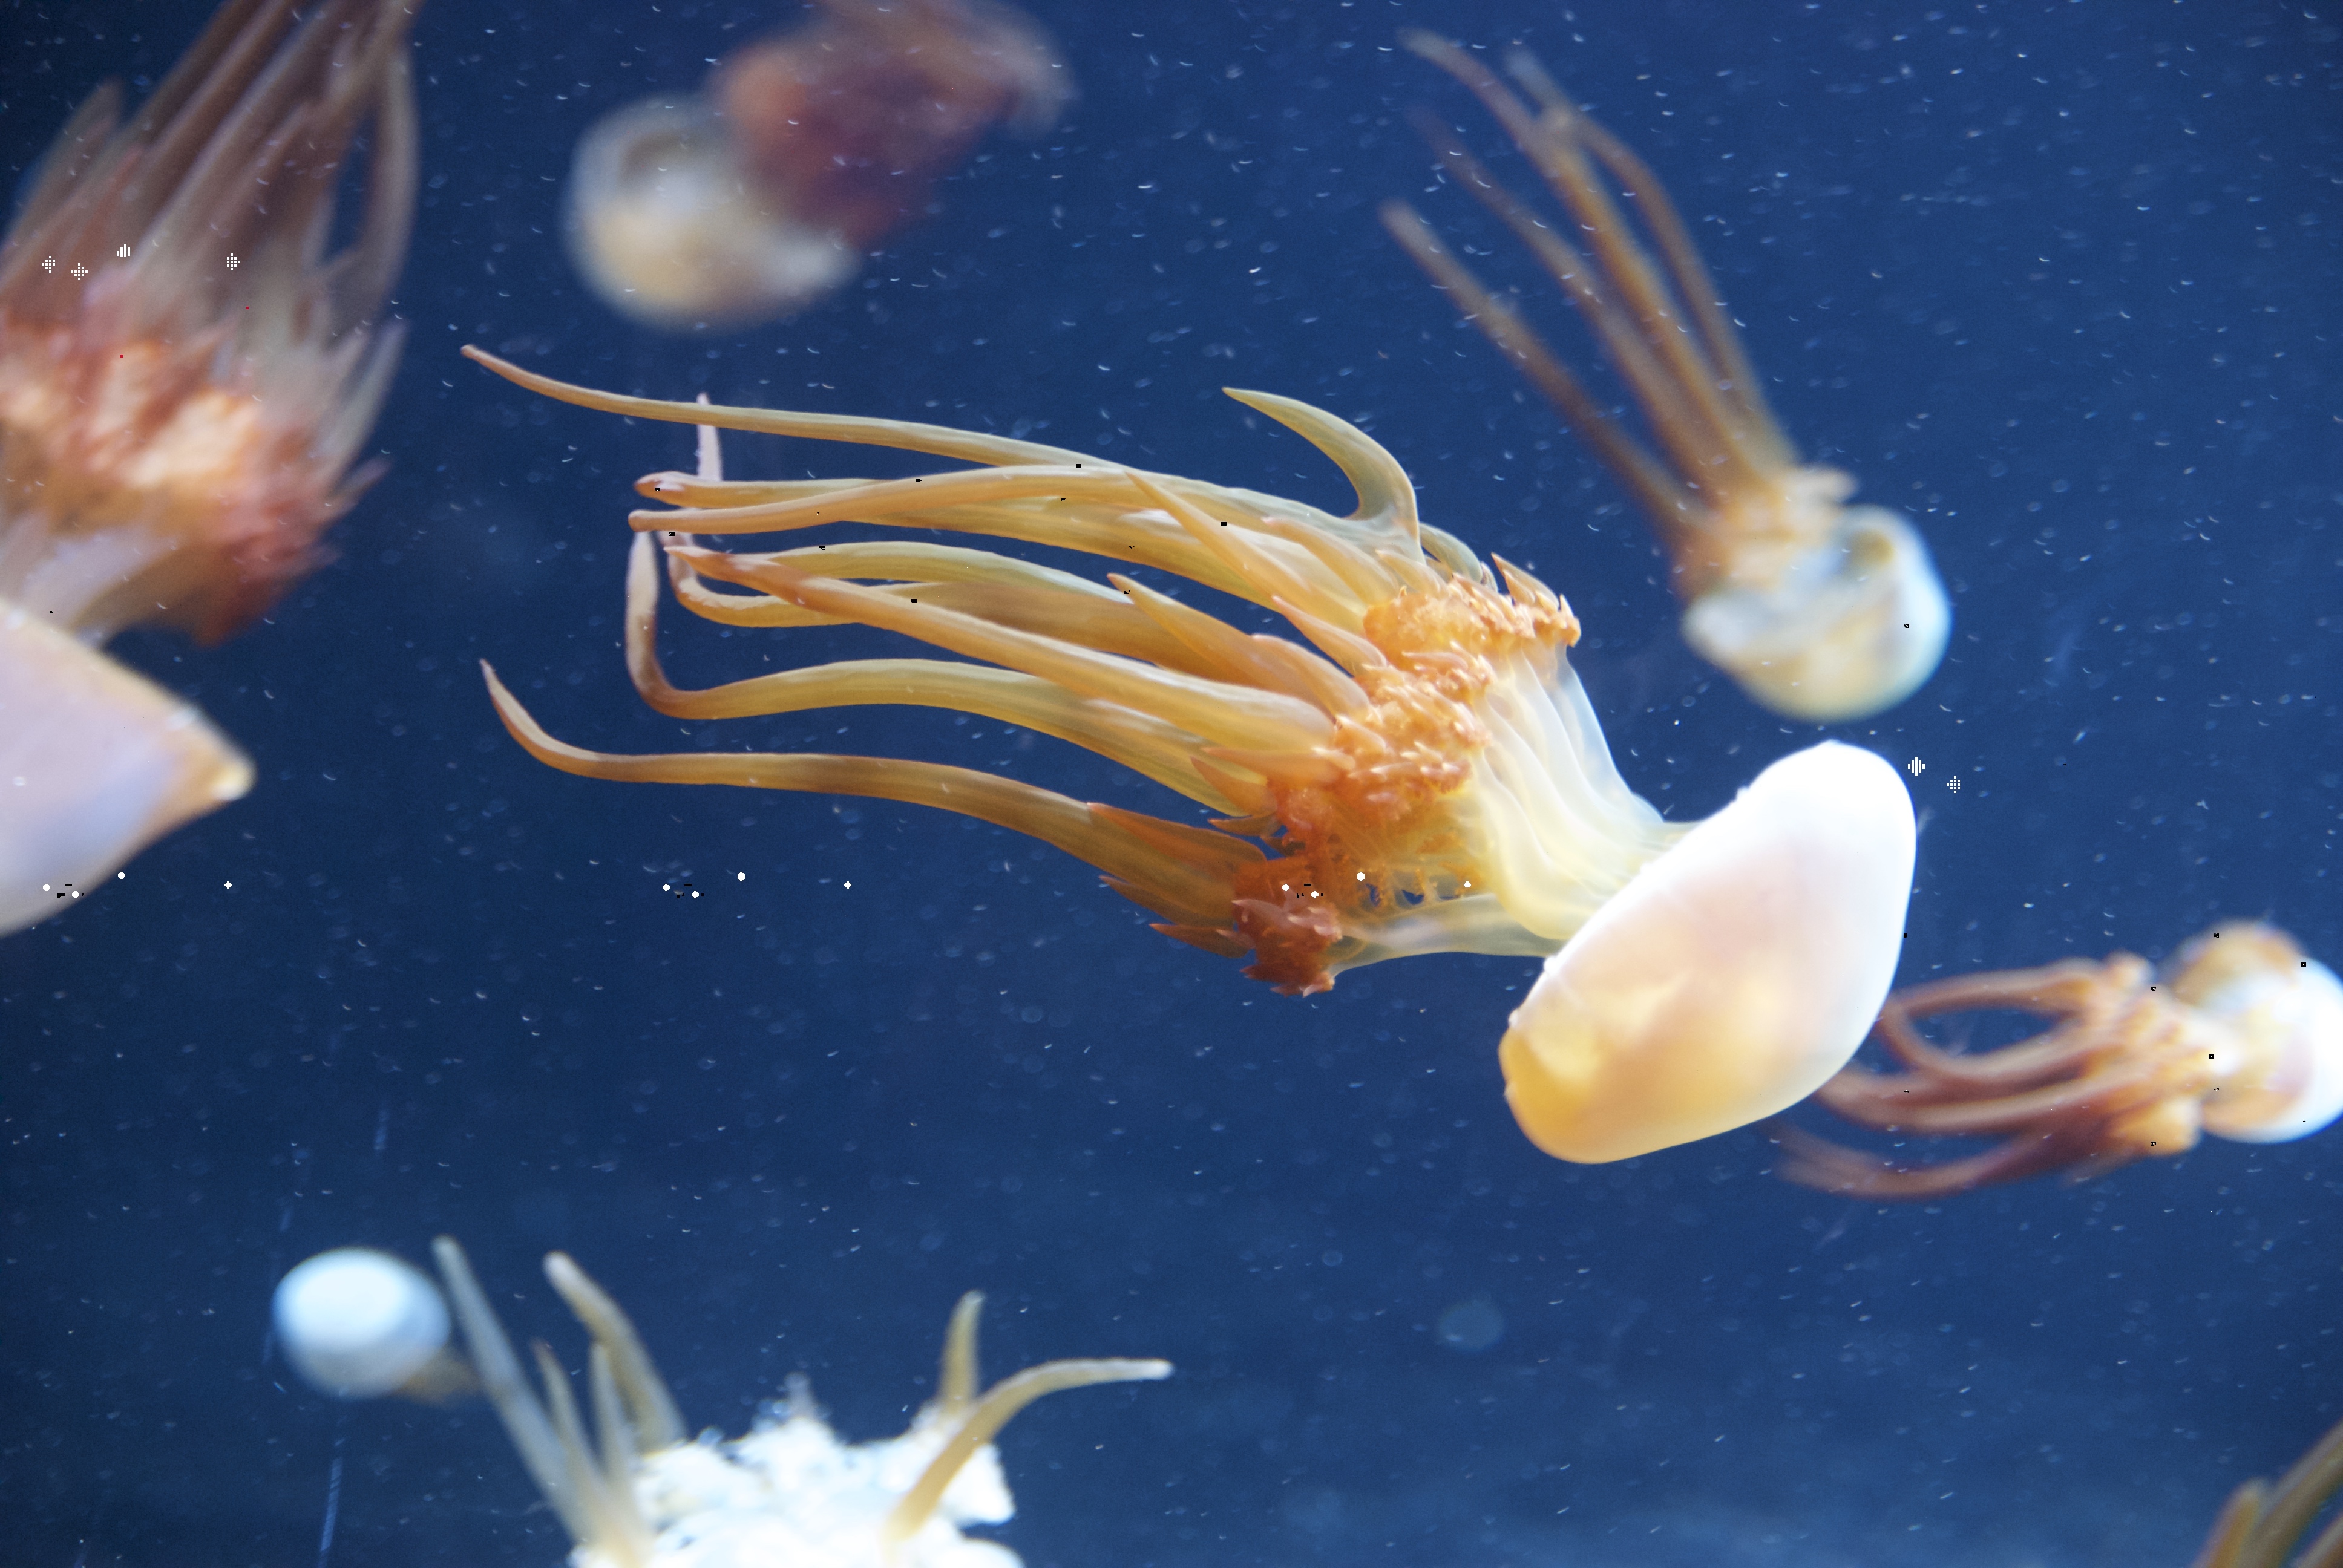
<point>186,375</point>
<point>1420,772</point>
<point>759,196</point>
<point>2241,1037</point>
<point>1820,610</point>
<point>641,1491</point>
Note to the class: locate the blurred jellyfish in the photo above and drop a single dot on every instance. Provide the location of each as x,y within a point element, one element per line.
<point>359,1323</point>
<point>2240,1036</point>
<point>1471,1326</point>
<point>635,1489</point>
<point>187,371</point>
<point>758,195</point>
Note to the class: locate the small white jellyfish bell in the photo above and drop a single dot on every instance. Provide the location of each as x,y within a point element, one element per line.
<point>1731,977</point>
<point>359,1323</point>
<point>1846,619</point>
<point>2285,1011</point>
<point>670,230</point>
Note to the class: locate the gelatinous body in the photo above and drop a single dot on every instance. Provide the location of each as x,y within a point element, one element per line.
<point>637,1490</point>
<point>758,195</point>
<point>1820,610</point>
<point>1424,775</point>
<point>186,375</point>
<point>2242,1037</point>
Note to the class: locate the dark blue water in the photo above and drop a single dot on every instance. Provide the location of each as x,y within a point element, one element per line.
<point>2061,279</point>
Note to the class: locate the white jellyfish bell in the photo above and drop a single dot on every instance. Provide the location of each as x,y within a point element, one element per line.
<point>359,1323</point>
<point>1731,977</point>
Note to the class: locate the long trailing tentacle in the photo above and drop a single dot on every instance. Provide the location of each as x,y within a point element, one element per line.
<point>1671,357</point>
<point>1653,484</point>
<point>1182,873</point>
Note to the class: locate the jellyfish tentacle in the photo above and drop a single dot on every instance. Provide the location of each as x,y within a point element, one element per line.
<point>1693,286</point>
<point>1002,1400</point>
<point>651,1409</point>
<point>1655,340</point>
<point>1191,888</point>
<point>1232,655</point>
<point>1671,506</point>
<point>852,429</point>
<point>1148,745</point>
<point>1386,498</point>
<point>1099,616</point>
<point>1222,712</point>
<point>517,1405</point>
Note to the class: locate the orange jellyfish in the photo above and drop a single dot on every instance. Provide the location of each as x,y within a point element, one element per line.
<point>758,196</point>
<point>185,376</point>
<point>1820,610</point>
<point>1420,773</point>
<point>2241,1038</point>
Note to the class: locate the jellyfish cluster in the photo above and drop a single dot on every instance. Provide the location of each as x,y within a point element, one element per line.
<point>1409,765</point>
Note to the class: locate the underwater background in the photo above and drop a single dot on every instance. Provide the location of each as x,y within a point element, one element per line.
<point>2060,279</point>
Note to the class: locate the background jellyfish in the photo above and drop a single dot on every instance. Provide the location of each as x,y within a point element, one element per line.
<point>2242,1038</point>
<point>633,1486</point>
<point>758,195</point>
<point>1820,610</point>
<point>1430,778</point>
<point>185,376</point>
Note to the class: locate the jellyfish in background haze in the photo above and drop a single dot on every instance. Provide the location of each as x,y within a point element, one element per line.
<point>2241,1038</point>
<point>185,376</point>
<point>648,1495</point>
<point>1820,610</point>
<point>758,196</point>
<point>1430,779</point>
